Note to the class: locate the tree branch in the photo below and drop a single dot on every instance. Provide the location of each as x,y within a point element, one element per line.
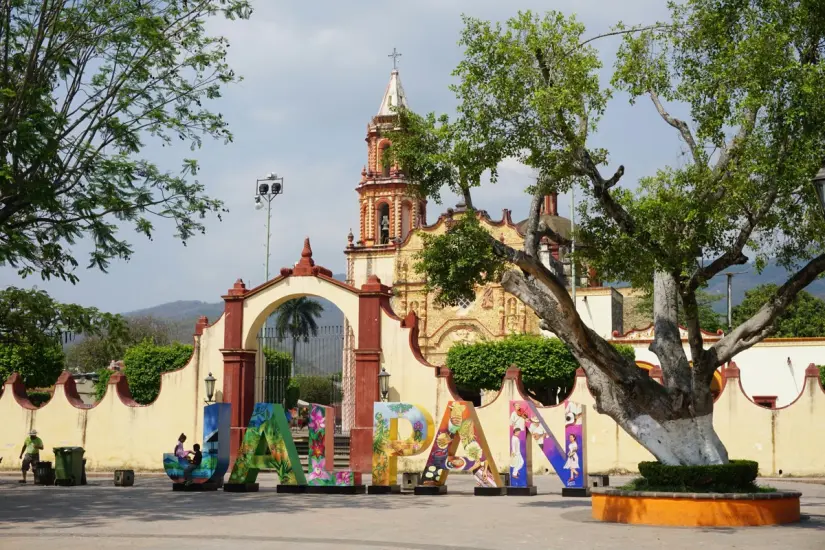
<point>531,236</point>
<point>681,126</point>
<point>731,150</point>
<point>761,323</point>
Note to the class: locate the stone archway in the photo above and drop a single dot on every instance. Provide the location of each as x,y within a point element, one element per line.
<point>245,312</point>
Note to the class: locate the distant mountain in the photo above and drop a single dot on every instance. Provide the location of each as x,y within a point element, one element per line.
<point>183,314</point>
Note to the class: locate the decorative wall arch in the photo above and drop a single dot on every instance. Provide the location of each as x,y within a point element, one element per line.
<point>261,302</point>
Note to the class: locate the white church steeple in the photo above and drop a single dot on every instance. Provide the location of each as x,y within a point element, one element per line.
<point>393,97</point>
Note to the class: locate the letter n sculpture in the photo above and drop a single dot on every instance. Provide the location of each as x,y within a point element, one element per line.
<point>267,444</point>
<point>208,476</point>
<point>386,447</point>
<point>569,461</point>
<point>460,430</point>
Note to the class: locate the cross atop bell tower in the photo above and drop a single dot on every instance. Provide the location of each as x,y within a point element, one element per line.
<point>388,207</point>
<point>395,55</point>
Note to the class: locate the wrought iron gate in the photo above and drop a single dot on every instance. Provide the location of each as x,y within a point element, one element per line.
<point>323,366</point>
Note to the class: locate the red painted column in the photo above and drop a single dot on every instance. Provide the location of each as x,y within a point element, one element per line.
<point>367,367</point>
<point>238,367</point>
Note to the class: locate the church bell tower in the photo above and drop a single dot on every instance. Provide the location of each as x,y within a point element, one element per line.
<point>389,209</point>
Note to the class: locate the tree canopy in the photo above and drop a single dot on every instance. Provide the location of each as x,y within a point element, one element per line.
<point>96,351</point>
<point>33,327</point>
<point>805,317</point>
<point>85,86</point>
<point>750,77</point>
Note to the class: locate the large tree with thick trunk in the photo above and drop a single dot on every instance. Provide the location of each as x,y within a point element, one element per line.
<point>747,80</point>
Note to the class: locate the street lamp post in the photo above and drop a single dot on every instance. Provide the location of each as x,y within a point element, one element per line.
<point>384,384</point>
<point>210,388</point>
<point>267,189</point>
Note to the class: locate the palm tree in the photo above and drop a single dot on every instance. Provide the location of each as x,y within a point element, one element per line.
<point>297,319</point>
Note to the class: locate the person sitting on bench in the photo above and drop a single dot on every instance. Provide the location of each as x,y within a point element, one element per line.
<point>194,464</point>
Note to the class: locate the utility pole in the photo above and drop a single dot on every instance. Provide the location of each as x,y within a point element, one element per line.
<point>729,275</point>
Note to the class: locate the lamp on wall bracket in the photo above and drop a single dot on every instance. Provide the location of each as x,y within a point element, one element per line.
<point>384,383</point>
<point>209,381</point>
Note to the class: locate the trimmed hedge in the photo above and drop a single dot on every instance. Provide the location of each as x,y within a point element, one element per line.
<point>548,368</point>
<point>737,474</point>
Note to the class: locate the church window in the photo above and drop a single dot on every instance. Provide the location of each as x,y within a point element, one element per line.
<point>464,302</point>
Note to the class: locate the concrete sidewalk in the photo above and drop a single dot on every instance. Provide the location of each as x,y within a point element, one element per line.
<point>150,515</point>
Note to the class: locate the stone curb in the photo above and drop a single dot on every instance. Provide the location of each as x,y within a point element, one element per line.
<point>612,491</point>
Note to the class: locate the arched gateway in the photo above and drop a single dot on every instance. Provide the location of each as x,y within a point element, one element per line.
<point>367,310</point>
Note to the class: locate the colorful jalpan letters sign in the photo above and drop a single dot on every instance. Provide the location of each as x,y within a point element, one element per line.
<point>321,471</point>
<point>215,462</point>
<point>568,460</point>
<point>268,444</point>
<point>386,447</point>
<point>460,445</point>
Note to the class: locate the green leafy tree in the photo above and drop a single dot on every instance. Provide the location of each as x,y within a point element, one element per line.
<point>33,327</point>
<point>297,319</point>
<point>85,85</point>
<point>708,318</point>
<point>97,351</point>
<point>748,75</point>
<point>804,317</point>
<point>548,368</point>
<point>321,390</point>
<point>145,362</point>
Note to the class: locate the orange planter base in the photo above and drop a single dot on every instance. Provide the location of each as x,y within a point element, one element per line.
<point>695,510</point>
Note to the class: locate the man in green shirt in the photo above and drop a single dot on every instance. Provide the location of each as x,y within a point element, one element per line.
<point>31,449</point>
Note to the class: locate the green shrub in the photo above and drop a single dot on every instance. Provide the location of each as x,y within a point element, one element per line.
<point>548,368</point>
<point>39,398</point>
<point>736,475</point>
<point>278,363</point>
<point>318,389</point>
<point>145,362</point>
<point>293,393</point>
<point>39,365</point>
<point>102,383</point>
<point>821,375</point>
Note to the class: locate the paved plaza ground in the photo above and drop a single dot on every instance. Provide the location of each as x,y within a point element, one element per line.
<point>150,515</point>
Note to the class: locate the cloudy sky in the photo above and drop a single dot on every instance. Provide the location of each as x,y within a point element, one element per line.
<point>314,74</point>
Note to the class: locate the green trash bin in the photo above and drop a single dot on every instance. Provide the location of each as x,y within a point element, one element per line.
<point>68,465</point>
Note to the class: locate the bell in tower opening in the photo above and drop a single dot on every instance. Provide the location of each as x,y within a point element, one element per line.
<point>384,225</point>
